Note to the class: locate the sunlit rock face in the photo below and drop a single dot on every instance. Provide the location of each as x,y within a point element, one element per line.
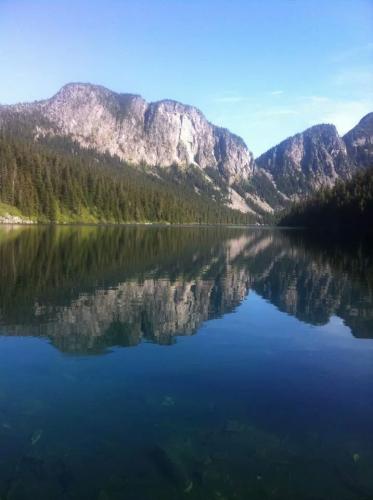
<point>157,135</point>
<point>161,133</point>
<point>166,135</point>
<point>317,157</point>
<point>359,142</point>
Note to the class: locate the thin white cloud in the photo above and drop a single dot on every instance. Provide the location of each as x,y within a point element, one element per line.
<point>228,98</point>
<point>344,114</point>
<point>353,53</point>
<point>356,78</point>
<point>275,111</point>
<point>277,92</point>
<point>269,125</point>
<point>315,109</point>
<point>265,122</point>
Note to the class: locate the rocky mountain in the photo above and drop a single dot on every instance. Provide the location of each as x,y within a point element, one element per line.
<point>159,134</point>
<point>359,142</point>
<point>307,161</point>
<point>318,157</point>
<point>175,142</point>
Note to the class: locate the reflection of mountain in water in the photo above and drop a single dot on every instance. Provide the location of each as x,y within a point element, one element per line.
<point>91,288</point>
<point>314,280</point>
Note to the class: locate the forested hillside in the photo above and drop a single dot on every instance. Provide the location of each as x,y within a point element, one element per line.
<point>69,184</point>
<point>347,204</point>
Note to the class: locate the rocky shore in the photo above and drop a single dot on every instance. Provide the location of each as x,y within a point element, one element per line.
<point>14,219</point>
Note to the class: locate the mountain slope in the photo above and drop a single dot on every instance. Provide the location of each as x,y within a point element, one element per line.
<point>51,184</point>
<point>174,146</point>
<point>347,204</point>
<point>359,142</point>
<point>160,134</point>
<point>307,161</point>
<point>318,157</point>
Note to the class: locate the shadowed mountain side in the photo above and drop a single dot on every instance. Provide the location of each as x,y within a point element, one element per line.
<point>88,289</point>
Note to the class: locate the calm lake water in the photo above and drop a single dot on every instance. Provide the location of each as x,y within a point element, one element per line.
<point>184,363</point>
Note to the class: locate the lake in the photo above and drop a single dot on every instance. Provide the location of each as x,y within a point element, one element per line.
<point>163,363</point>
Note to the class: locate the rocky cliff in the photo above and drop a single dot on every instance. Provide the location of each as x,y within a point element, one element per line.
<point>314,158</point>
<point>318,157</point>
<point>359,142</point>
<point>166,137</point>
<point>165,133</point>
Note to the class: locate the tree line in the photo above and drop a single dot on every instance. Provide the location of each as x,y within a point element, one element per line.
<point>349,204</point>
<point>60,182</point>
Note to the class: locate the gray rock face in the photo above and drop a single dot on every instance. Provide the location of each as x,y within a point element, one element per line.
<point>162,133</point>
<point>168,133</point>
<point>317,157</point>
<point>359,142</point>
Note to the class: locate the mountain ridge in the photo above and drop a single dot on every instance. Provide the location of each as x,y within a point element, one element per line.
<point>175,141</point>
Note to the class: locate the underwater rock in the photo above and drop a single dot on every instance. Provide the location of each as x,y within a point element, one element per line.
<point>103,495</point>
<point>189,487</point>
<point>234,426</point>
<point>41,479</point>
<point>168,401</point>
<point>36,436</point>
<point>170,469</point>
<point>219,495</point>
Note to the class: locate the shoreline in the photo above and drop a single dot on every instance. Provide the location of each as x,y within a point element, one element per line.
<point>18,221</point>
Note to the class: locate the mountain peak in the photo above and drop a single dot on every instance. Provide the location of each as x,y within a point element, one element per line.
<point>72,88</point>
<point>359,142</point>
<point>168,133</point>
<point>320,129</point>
<point>307,160</point>
<point>79,86</point>
<point>159,134</point>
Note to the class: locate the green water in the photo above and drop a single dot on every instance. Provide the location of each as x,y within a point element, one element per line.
<point>146,363</point>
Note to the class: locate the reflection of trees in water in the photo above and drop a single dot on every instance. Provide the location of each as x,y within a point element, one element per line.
<point>314,279</point>
<point>88,288</point>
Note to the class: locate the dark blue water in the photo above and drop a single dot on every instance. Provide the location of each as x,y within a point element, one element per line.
<point>160,363</point>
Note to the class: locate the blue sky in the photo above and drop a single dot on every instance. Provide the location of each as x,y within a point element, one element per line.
<point>264,69</point>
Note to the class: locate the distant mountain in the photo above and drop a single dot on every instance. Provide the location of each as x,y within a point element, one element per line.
<point>318,157</point>
<point>173,144</point>
<point>307,160</point>
<point>359,142</point>
<point>347,204</point>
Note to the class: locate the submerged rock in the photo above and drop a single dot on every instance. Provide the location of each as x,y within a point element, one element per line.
<point>41,479</point>
<point>170,469</point>
<point>189,487</point>
<point>168,401</point>
<point>36,436</point>
<point>234,426</point>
